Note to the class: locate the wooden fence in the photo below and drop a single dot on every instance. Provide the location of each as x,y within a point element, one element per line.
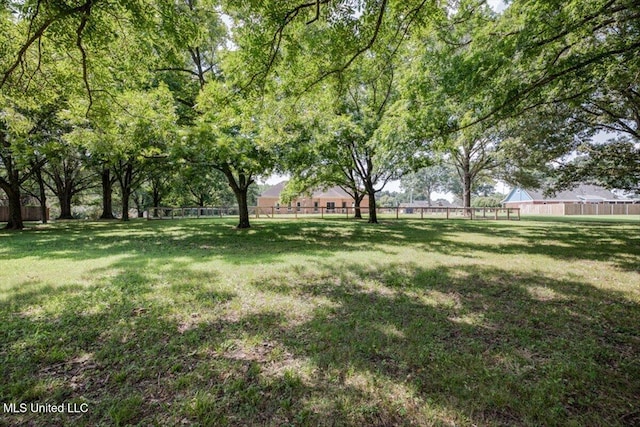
<point>346,212</point>
<point>560,209</point>
<point>601,209</point>
<point>29,213</point>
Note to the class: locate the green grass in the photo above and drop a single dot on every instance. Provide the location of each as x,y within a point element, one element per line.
<point>323,322</point>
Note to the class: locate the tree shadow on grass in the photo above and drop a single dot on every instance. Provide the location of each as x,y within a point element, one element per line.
<point>274,242</point>
<point>493,347</point>
<point>386,344</point>
<point>616,243</point>
<point>402,345</point>
<point>265,242</point>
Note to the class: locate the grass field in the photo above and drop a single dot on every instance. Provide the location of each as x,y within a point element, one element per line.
<point>323,322</point>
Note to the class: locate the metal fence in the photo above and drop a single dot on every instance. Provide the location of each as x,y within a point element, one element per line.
<point>345,212</point>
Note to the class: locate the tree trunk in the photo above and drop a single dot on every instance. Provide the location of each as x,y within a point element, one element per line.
<point>373,215</point>
<point>240,188</point>
<point>139,201</point>
<point>157,199</point>
<point>64,197</point>
<point>11,186</point>
<point>356,203</point>
<point>12,189</point>
<point>125,187</point>
<point>243,207</point>
<point>466,190</point>
<point>43,195</point>
<point>15,208</point>
<point>126,194</point>
<point>107,195</point>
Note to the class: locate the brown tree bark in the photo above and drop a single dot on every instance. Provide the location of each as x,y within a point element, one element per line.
<point>15,207</point>
<point>11,187</point>
<point>107,195</point>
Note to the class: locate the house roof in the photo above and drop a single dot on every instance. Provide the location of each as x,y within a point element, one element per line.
<point>333,192</point>
<point>275,190</point>
<point>328,193</point>
<point>582,193</point>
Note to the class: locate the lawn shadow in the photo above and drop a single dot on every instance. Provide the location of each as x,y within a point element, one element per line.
<point>384,343</point>
<point>271,242</point>
<point>484,345</point>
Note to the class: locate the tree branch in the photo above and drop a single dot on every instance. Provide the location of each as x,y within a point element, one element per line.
<point>37,35</point>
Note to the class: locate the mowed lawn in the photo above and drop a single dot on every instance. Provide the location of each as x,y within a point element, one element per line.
<point>323,322</point>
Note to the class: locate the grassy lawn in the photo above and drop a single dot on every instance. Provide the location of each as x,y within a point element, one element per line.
<point>323,322</point>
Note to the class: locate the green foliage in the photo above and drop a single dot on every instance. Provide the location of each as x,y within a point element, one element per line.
<point>340,92</point>
<point>493,201</point>
<point>615,164</point>
<point>424,182</point>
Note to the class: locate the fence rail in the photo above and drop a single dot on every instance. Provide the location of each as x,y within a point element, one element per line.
<point>29,213</point>
<point>347,212</point>
<point>560,209</point>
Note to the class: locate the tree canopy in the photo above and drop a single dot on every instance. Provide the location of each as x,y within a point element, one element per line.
<point>349,93</point>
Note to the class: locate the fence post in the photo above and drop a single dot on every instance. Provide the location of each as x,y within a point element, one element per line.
<point>508,214</point>
<point>447,213</point>
<point>322,212</point>
<point>421,213</point>
<point>397,212</point>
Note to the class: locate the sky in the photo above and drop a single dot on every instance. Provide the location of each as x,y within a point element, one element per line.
<point>497,5</point>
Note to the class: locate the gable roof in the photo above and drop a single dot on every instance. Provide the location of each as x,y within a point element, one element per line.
<point>275,190</point>
<point>333,192</point>
<point>582,193</point>
<point>328,193</point>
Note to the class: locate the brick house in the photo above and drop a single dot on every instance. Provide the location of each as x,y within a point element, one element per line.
<point>333,199</point>
<point>582,200</point>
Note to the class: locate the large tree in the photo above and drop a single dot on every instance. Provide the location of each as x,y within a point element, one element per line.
<point>422,183</point>
<point>67,175</point>
<point>348,134</point>
<point>558,74</point>
<point>227,137</point>
<point>57,49</point>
